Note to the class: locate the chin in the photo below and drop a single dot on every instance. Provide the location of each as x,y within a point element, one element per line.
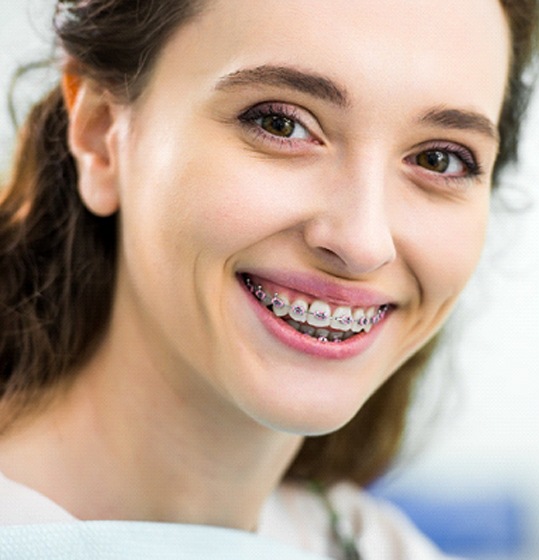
<point>307,427</point>
<point>304,418</point>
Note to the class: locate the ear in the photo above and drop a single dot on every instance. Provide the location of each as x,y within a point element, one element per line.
<point>92,142</point>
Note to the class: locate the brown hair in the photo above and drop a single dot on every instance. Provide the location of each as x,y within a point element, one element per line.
<point>58,260</point>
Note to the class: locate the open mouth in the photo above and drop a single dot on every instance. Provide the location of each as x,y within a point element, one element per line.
<point>316,318</point>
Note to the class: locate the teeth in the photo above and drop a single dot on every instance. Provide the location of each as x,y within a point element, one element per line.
<point>359,317</point>
<point>298,311</point>
<point>336,336</point>
<point>311,320</point>
<point>319,314</point>
<point>281,305</point>
<point>262,296</point>
<point>307,329</point>
<point>342,319</point>
<point>322,334</point>
<point>370,313</point>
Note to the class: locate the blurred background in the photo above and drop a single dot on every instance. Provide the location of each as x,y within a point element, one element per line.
<point>469,473</point>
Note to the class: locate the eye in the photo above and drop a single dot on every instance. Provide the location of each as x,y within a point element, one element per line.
<point>280,126</point>
<point>452,161</point>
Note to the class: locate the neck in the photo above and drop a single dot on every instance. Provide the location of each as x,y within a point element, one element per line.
<point>121,445</point>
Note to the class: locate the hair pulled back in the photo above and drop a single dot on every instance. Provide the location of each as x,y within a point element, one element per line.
<point>57,260</point>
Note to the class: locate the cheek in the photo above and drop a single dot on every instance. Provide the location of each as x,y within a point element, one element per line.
<point>231,203</point>
<point>447,247</point>
<point>209,189</point>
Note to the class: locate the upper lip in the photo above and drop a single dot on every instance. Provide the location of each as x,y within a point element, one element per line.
<point>320,288</point>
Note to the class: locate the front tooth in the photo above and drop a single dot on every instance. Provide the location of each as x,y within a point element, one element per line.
<point>294,324</point>
<point>321,333</point>
<point>358,316</point>
<point>319,314</point>
<point>281,305</point>
<point>342,319</point>
<point>298,311</point>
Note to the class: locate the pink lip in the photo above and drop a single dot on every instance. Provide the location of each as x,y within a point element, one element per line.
<point>308,345</point>
<point>317,288</point>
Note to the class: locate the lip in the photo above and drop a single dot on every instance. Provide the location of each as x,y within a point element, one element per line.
<point>331,292</point>
<point>300,342</point>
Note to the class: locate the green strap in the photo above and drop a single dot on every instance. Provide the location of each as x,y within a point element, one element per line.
<point>345,542</point>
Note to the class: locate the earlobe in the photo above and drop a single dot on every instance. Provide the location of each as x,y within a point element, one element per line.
<point>92,142</point>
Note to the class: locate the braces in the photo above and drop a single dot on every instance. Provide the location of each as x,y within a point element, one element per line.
<point>345,320</point>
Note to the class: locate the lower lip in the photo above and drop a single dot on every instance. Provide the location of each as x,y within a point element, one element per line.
<point>308,345</point>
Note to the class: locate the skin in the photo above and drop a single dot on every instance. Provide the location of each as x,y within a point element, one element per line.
<point>186,373</point>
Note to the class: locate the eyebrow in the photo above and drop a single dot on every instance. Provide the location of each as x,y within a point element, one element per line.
<point>328,90</point>
<point>458,119</point>
<point>313,84</point>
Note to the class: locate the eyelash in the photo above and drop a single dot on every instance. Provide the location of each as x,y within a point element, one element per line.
<point>248,120</point>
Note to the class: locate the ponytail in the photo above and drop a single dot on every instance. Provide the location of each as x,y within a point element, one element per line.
<point>57,265</point>
<point>57,260</point>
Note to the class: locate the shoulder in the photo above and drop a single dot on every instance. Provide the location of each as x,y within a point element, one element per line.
<point>379,529</point>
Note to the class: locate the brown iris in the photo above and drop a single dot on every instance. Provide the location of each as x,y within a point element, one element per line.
<point>434,160</point>
<point>278,125</point>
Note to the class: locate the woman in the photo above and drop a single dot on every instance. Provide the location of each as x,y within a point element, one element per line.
<point>229,241</point>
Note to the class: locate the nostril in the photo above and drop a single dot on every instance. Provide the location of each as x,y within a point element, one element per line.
<point>330,256</point>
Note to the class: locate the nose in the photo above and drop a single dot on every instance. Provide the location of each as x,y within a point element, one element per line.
<point>352,230</point>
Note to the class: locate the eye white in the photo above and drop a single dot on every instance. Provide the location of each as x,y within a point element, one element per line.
<point>300,132</point>
<point>456,165</point>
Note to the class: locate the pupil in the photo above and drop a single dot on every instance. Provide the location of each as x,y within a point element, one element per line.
<point>434,160</point>
<point>280,126</point>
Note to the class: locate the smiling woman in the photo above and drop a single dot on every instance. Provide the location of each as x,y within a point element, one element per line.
<point>230,239</point>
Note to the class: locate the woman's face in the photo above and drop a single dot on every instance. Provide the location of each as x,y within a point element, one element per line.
<point>335,154</point>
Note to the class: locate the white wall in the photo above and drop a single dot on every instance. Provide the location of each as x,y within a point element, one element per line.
<point>488,436</point>
<point>25,36</point>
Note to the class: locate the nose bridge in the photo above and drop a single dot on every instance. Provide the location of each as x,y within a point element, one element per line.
<point>354,222</point>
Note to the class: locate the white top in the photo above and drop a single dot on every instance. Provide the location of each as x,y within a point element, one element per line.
<point>292,515</point>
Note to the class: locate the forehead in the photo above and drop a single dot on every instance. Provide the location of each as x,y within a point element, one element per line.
<point>458,49</point>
